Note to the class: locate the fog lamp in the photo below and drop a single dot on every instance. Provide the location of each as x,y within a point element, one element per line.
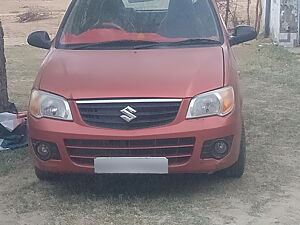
<point>220,149</point>
<point>44,151</point>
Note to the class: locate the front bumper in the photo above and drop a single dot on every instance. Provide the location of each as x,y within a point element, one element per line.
<point>202,129</point>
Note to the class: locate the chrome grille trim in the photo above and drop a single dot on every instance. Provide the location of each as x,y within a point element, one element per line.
<point>128,101</point>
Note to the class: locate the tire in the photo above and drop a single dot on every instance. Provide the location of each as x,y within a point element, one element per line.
<point>238,168</point>
<point>45,176</point>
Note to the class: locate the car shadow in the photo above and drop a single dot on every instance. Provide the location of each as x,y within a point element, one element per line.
<point>137,185</point>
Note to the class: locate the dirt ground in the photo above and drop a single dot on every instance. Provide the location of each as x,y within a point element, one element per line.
<point>16,33</point>
<point>268,194</point>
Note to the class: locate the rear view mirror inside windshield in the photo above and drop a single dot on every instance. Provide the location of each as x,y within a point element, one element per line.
<point>136,1</point>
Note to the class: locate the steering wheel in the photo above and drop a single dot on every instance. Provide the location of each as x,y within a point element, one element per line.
<point>112,26</point>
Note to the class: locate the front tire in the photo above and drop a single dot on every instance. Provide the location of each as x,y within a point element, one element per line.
<point>238,168</point>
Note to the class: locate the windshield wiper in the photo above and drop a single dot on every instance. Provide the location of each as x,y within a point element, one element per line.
<point>199,41</point>
<point>139,44</point>
<point>110,44</point>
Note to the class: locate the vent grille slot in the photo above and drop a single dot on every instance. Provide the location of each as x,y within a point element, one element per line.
<point>177,150</point>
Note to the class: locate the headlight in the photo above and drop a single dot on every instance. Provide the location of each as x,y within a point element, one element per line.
<point>43,104</point>
<point>219,102</point>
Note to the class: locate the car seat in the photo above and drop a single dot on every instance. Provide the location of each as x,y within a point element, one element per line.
<point>181,21</point>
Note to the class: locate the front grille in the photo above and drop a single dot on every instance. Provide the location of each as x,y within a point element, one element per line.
<point>176,150</point>
<point>148,114</point>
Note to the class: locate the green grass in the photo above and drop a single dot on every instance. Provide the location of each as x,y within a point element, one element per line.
<point>10,160</point>
<point>22,67</point>
<point>270,64</point>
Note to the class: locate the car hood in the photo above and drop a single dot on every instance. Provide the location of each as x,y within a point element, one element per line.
<point>157,73</point>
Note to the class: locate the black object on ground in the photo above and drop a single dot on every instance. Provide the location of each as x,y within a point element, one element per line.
<point>13,129</point>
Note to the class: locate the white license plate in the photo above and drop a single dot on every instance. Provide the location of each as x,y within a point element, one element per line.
<point>131,165</point>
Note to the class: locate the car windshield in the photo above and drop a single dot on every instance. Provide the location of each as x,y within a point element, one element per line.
<point>108,24</point>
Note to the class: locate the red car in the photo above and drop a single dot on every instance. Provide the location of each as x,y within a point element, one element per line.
<point>138,87</point>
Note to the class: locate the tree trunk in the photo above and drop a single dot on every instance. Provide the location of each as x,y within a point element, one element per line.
<point>258,15</point>
<point>248,12</point>
<point>3,78</point>
<point>227,11</point>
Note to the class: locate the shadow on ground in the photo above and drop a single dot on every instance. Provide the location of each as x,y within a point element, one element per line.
<point>136,185</point>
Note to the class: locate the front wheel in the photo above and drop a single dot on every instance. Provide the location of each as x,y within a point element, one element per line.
<point>238,168</point>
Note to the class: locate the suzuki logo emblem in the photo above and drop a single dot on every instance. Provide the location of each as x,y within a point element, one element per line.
<point>128,114</point>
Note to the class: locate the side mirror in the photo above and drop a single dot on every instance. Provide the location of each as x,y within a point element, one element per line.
<point>242,34</point>
<point>39,39</point>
